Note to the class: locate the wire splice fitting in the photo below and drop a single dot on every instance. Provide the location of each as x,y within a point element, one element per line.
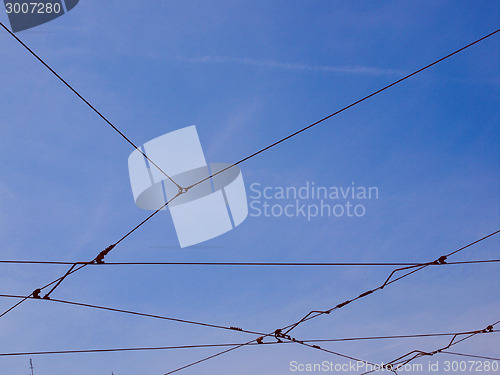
<point>342,304</point>
<point>441,260</point>
<point>488,329</point>
<point>365,294</point>
<point>259,339</point>
<point>100,258</point>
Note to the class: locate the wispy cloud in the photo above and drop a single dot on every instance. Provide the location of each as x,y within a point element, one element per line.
<point>292,66</point>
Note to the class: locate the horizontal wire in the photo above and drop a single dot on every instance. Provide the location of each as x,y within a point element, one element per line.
<point>271,264</point>
<point>201,346</point>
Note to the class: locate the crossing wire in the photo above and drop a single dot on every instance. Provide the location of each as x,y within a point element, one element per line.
<point>98,259</point>
<point>278,334</point>
<point>250,156</point>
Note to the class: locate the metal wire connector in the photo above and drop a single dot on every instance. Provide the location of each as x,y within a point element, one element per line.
<point>100,258</point>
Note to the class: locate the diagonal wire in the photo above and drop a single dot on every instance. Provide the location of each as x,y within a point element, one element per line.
<point>349,106</point>
<point>136,313</point>
<point>86,102</point>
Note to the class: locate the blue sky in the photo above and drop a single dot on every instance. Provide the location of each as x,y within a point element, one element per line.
<point>248,74</point>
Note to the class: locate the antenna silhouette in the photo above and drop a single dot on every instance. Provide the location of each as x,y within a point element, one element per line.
<point>31,366</point>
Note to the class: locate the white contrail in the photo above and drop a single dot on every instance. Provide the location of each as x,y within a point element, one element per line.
<point>293,66</point>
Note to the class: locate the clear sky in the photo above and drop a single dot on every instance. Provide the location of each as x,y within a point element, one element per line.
<point>247,74</point>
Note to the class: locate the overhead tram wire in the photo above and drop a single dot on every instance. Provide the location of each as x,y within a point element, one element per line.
<point>233,328</point>
<point>201,346</point>
<point>313,314</point>
<point>249,264</point>
<point>86,102</point>
<point>272,145</point>
<point>98,259</point>
<point>346,107</point>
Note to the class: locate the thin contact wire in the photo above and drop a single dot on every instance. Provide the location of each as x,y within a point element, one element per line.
<point>201,346</point>
<point>86,101</point>
<point>245,264</point>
